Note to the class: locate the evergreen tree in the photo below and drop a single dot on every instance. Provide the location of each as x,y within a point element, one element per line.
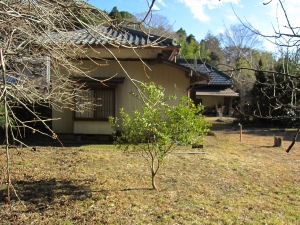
<point>203,51</point>
<point>190,38</point>
<point>181,33</point>
<point>213,47</point>
<point>190,48</point>
<point>115,14</point>
<point>126,15</point>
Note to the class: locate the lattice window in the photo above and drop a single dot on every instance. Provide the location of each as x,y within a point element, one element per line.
<point>104,104</point>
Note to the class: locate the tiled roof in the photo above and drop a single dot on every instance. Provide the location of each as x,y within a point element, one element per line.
<point>108,35</point>
<point>217,77</point>
<point>217,92</point>
<point>12,79</point>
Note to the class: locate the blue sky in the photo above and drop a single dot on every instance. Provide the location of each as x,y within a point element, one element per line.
<point>197,17</point>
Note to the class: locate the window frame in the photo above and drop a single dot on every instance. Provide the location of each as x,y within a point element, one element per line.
<point>94,118</point>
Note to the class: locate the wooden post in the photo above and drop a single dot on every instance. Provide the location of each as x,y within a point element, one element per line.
<point>230,109</point>
<point>277,141</point>
<point>241,131</point>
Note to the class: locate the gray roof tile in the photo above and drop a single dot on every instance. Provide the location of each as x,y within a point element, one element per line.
<point>13,79</point>
<point>217,77</point>
<point>109,35</point>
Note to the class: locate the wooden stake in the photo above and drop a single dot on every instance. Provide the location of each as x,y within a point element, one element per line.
<point>241,131</point>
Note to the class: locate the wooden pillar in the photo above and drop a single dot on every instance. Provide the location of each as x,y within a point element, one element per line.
<point>230,110</point>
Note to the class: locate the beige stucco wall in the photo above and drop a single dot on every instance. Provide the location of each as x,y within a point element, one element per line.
<point>63,121</point>
<point>92,127</point>
<point>211,101</point>
<point>173,80</point>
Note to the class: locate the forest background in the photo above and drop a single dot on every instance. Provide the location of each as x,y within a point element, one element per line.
<point>266,94</point>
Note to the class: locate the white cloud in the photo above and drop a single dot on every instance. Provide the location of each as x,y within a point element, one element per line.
<point>291,7</point>
<point>278,17</point>
<point>197,7</point>
<point>162,3</point>
<point>232,18</point>
<point>155,7</point>
<point>269,46</point>
<point>221,31</point>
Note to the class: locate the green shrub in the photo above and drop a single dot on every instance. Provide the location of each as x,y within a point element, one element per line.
<point>159,127</point>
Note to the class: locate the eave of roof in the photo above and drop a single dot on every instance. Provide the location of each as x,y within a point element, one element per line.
<point>217,92</point>
<point>99,80</point>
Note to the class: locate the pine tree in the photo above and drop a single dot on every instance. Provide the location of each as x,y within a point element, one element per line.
<point>115,14</point>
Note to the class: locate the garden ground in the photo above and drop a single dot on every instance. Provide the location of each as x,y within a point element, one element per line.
<point>226,182</point>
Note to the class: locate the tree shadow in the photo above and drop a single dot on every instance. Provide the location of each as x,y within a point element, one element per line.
<point>106,191</point>
<point>45,192</point>
<point>220,126</point>
<point>286,135</point>
<point>38,139</point>
<point>137,189</point>
<point>269,146</point>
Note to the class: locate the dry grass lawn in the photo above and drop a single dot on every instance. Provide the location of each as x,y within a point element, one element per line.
<point>227,182</point>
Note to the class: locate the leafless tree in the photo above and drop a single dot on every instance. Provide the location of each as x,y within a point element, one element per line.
<point>238,44</point>
<point>156,24</point>
<point>284,82</point>
<point>33,46</point>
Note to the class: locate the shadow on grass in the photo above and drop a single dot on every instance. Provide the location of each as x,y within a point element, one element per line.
<point>106,191</point>
<point>137,189</point>
<point>269,146</point>
<point>286,135</point>
<point>46,141</point>
<point>45,192</point>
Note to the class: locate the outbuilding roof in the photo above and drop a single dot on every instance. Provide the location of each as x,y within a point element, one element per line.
<point>217,77</point>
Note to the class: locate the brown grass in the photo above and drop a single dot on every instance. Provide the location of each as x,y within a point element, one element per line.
<point>228,182</point>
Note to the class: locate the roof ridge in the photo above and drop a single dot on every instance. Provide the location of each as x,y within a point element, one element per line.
<point>120,36</point>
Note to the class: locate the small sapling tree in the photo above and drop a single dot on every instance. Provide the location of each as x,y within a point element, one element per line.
<point>159,127</point>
